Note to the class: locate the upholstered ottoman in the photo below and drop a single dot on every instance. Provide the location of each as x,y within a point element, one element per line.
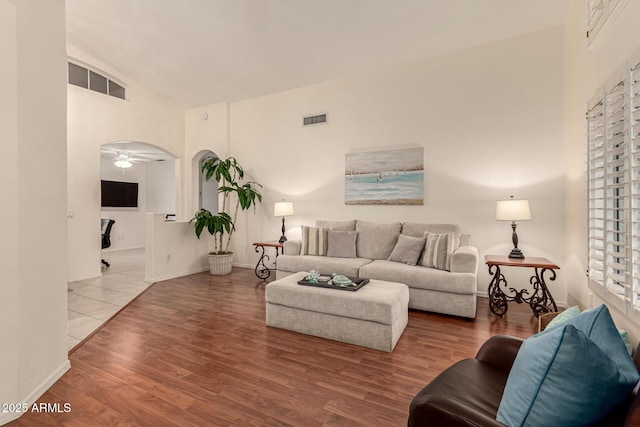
<point>374,316</point>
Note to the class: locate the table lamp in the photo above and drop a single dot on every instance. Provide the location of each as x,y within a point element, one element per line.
<point>513,210</point>
<point>283,209</point>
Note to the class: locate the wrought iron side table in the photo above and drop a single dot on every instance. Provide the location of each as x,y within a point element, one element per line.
<point>541,301</point>
<point>262,271</point>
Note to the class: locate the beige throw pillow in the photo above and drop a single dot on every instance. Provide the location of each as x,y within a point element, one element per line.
<point>342,244</point>
<point>376,241</point>
<point>408,249</point>
<point>314,241</point>
<point>437,251</point>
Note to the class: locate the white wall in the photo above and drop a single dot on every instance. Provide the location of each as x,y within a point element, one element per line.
<point>173,250</point>
<point>206,130</point>
<point>585,70</point>
<point>95,119</point>
<point>33,247</point>
<point>161,187</point>
<point>489,118</point>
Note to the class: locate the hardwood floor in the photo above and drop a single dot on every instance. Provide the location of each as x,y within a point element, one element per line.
<point>196,351</point>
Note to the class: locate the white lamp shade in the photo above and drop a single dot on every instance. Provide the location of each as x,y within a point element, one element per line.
<point>283,209</point>
<point>513,210</point>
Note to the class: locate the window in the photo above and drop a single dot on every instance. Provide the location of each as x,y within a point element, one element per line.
<point>599,13</point>
<point>89,79</point>
<point>613,164</point>
<point>116,90</point>
<point>78,76</point>
<point>97,83</point>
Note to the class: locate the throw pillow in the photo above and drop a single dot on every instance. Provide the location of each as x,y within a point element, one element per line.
<point>376,241</point>
<point>418,229</point>
<point>314,241</point>
<point>594,322</point>
<point>342,244</point>
<point>565,315</point>
<point>627,341</point>
<point>564,376</point>
<point>437,251</point>
<point>598,325</point>
<point>349,225</point>
<point>408,249</point>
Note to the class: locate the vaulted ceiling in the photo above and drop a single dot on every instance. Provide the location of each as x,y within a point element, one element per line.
<point>198,52</point>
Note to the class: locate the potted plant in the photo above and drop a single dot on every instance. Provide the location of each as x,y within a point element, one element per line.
<point>228,173</point>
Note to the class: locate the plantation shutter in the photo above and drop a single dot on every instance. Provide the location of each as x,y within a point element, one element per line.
<point>596,207</point>
<point>595,17</point>
<point>610,241</point>
<point>600,13</point>
<point>617,172</point>
<point>634,131</point>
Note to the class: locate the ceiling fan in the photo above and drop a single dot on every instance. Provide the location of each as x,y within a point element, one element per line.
<point>126,159</point>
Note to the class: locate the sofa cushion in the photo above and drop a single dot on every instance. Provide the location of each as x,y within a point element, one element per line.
<point>421,277</point>
<point>563,375</point>
<point>574,373</point>
<point>323,264</point>
<point>437,251</point>
<point>342,244</point>
<point>408,249</point>
<point>349,225</point>
<point>417,230</point>
<point>376,241</point>
<point>314,241</point>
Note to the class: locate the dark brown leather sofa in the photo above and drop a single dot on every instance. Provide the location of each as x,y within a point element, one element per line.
<point>469,392</point>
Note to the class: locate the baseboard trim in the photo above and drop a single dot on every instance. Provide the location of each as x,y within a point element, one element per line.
<point>126,248</point>
<point>81,278</point>
<point>32,397</point>
<point>251,266</point>
<point>175,275</point>
<point>194,271</point>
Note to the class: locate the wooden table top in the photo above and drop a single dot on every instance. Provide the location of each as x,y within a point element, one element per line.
<point>535,262</point>
<point>270,244</point>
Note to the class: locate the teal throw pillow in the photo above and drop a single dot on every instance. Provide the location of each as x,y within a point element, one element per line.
<point>598,325</point>
<point>574,311</point>
<point>561,377</point>
<point>569,313</point>
<point>627,341</point>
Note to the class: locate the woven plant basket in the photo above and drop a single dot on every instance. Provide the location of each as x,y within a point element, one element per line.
<point>220,264</point>
<point>544,320</point>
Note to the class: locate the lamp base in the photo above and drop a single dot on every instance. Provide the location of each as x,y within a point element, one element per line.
<point>516,253</point>
<point>283,239</point>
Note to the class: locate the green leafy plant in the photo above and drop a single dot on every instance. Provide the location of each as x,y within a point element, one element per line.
<point>228,173</point>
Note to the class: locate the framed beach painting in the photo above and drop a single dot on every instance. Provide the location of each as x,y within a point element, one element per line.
<point>386,176</point>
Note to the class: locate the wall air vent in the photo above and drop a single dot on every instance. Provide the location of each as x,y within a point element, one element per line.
<point>318,119</point>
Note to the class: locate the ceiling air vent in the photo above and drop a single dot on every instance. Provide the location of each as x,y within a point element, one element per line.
<point>317,119</point>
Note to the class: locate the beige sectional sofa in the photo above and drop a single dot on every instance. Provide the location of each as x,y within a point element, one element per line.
<point>448,288</point>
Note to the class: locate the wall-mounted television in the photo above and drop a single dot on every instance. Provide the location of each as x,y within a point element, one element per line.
<point>118,194</point>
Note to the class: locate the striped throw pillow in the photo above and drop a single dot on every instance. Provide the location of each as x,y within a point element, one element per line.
<point>314,241</point>
<point>437,251</point>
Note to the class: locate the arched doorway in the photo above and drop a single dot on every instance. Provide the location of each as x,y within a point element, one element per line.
<point>153,173</point>
<point>207,197</point>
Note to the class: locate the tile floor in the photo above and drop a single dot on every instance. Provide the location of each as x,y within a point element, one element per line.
<point>93,301</point>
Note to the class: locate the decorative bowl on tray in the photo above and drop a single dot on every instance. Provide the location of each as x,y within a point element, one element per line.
<point>335,281</point>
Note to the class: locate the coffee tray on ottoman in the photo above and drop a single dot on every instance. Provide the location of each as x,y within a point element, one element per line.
<point>323,282</point>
